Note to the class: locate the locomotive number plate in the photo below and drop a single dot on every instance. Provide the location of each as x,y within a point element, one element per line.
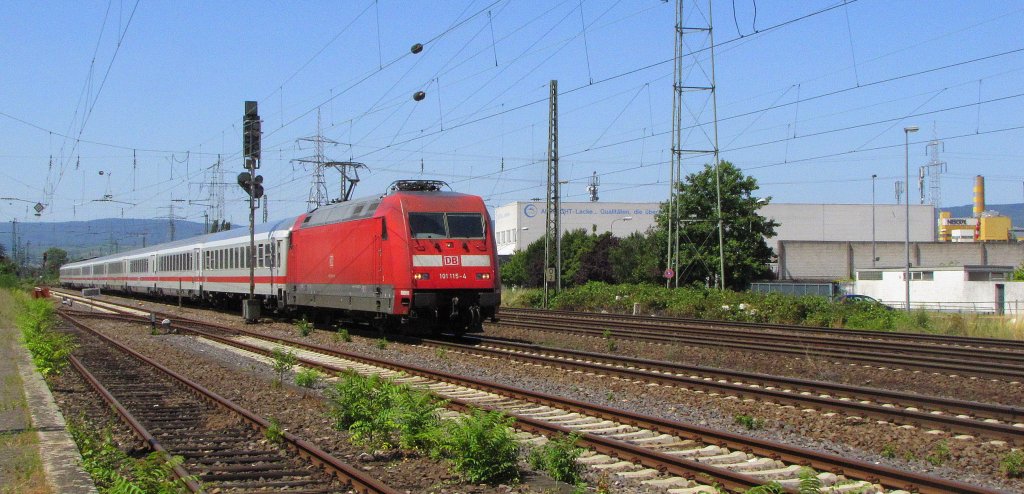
<point>454,276</point>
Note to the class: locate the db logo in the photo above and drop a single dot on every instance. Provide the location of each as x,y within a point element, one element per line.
<point>451,260</point>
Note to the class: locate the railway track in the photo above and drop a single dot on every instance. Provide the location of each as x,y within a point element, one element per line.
<point>223,445</point>
<point>653,450</point>
<point>666,321</point>
<point>1000,364</point>
<point>994,421</point>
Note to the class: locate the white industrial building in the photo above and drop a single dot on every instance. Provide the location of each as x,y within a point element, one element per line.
<point>981,289</point>
<point>519,223</point>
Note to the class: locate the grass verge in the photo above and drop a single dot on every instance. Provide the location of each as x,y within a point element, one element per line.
<point>21,469</point>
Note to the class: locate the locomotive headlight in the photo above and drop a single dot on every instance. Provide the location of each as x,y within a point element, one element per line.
<point>483,276</point>
<point>421,276</point>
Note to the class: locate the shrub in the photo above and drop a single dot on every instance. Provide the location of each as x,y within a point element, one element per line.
<point>480,446</point>
<point>283,361</point>
<point>343,335</point>
<point>365,407</point>
<point>809,481</point>
<point>417,419</point>
<point>114,471</point>
<point>769,488</point>
<point>308,378</point>
<point>305,327</point>
<point>49,349</point>
<point>888,451</point>
<point>558,458</point>
<point>382,343</point>
<point>1013,464</point>
<point>380,414</point>
<point>274,433</point>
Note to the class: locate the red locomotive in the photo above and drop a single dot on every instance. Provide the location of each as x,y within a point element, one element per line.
<point>418,252</point>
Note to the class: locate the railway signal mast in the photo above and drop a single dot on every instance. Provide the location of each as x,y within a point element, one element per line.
<point>253,185</point>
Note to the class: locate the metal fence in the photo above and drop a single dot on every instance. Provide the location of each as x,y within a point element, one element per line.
<point>829,290</point>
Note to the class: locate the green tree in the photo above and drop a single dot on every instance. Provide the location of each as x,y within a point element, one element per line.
<point>576,245</point>
<point>525,267</point>
<point>1018,273</point>
<point>54,258</point>
<point>595,263</point>
<point>746,253</point>
<point>639,258</point>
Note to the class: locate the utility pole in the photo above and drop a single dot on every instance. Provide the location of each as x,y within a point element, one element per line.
<point>552,217</point>
<point>14,239</point>
<point>318,190</point>
<point>933,170</point>
<point>170,218</point>
<point>693,87</point>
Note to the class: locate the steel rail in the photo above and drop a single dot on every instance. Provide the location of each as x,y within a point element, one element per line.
<point>832,342</point>
<point>666,374</point>
<point>953,341</point>
<point>987,370</point>
<point>132,422</point>
<point>360,482</point>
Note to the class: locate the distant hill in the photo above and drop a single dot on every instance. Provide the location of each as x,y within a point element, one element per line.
<point>1014,211</point>
<point>84,239</point>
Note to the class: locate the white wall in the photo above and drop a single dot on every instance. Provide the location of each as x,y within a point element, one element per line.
<point>518,224</point>
<point>949,291</point>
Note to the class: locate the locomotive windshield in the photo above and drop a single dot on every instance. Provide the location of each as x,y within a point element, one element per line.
<point>446,225</point>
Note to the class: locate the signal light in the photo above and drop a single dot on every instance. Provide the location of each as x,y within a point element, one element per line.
<point>483,276</point>
<point>245,182</point>
<point>251,133</point>
<point>421,276</point>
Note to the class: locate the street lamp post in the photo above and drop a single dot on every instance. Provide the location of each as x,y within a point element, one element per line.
<point>906,242</point>
<point>874,256</point>
<point>611,228</point>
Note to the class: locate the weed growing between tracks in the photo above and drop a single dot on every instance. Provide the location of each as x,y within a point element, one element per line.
<point>49,348</point>
<point>305,327</point>
<point>308,378</point>
<point>274,433</point>
<point>115,472</point>
<point>284,360</point>
<point>1013,464</point>
<point>939,454</point>
<point>382,415</point>
<point>749,421</point>
<point>809,484</point>
<point>480,446</point>
<point>558,458</point>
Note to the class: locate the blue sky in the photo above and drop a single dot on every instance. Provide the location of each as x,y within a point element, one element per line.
<point>811,108</point>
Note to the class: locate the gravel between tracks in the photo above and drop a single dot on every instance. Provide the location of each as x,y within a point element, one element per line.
<point>972,461</point>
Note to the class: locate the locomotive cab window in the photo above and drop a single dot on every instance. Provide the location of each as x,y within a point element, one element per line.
<point>465,225</point>
<point>446,225</point>
<point>427,225</point>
